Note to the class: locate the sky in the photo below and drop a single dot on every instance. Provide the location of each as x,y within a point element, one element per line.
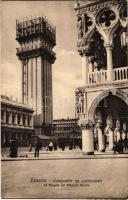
<point>67,67</point>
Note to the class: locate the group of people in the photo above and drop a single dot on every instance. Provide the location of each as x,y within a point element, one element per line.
<point>51,146</point>
<point>38,146</point>
<point>14,148</point>
<point>120,146</point>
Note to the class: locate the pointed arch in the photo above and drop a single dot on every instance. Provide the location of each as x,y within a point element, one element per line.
<point>116,92</point>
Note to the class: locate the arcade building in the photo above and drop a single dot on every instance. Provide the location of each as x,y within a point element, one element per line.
<point>102,99</point>
<point>16,122</point>
<point>67,131</point>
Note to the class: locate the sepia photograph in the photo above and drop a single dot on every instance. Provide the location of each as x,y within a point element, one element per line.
<point>64,99</point>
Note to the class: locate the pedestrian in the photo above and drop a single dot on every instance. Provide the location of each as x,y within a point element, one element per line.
<point>80,144</point>
<point>50,146</point>
<point>46,148</point>
<point>13,148</point>
<point>37,148</point>
<point>119,146</point>
<point>55,146</point>
<point>125,143</point>
<point>30,147</point>
<point>96,142</point>
<point>70,145</point>
<point>105,141</point>
<point>114,148</point>
<point>63,146</point>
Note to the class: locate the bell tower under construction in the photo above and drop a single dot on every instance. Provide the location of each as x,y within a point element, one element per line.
<point>37,39</point>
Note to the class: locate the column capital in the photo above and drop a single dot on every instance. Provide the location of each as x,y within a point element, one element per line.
<point>87,125</point>
<point>85,53</point>
<point>108,46</point>
<point>9,110</point>
<point>98,124</point>
<point>24,61</point>
<point>83,48</point>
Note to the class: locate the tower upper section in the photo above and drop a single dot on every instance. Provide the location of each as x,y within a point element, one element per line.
<point>36,38</point>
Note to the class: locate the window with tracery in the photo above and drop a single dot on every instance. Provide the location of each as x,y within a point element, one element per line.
<point>107,18</point>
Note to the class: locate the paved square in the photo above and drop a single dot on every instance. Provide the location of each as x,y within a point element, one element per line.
<point>59,178</point>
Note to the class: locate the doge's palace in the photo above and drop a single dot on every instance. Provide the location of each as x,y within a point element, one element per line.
<point>102,99</point>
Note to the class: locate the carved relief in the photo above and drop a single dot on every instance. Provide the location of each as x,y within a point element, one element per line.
<point>79,101</point>
<point>24,61</point>
<point>79,26</point>
<point>87,125</point>
<point>85,26</point>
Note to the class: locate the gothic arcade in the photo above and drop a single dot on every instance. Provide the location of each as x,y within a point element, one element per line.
<point>103,98</point>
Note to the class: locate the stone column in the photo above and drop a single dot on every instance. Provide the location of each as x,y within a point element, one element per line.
<point>29,82</point>
<point>101,139</point>
<point>118,135</point>
<point>111,139</point>
<point>16,119</point>
<point>87,139</point>
<point>31,121</point>
<point>16,136</point>
<point>21,120</point>
<point>10,118</point>
<point>85,68</point>
<point>26,136</point>
<point>124,131</point>
<point>26,120</point>
<point>4,116</point>
<point>110,132</point>
<point>3,138</point>
<point>109,62</point>
<point>19,136</point>
<point>117,130</point>
<point>124,126</point>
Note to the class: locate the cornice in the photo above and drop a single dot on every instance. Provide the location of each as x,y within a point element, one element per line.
<point>31,53</point>
<point>97,5</point>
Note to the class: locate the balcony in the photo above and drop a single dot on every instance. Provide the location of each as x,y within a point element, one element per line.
<point>119,74</point>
